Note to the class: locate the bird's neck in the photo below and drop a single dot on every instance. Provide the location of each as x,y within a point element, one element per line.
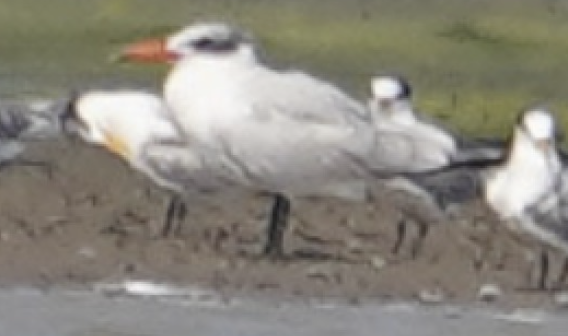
<point>205,93</point>
<point>403,114</point>
<point>526,156</point>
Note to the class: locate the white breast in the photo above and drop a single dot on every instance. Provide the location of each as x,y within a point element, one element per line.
<point>205,96</point>
<point>522,181</point>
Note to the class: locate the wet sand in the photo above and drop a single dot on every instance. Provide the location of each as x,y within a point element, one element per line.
<point>91,220</point>
<point>62,313</point>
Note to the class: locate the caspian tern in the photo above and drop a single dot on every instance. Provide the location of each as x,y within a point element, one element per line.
<point>282,132</point>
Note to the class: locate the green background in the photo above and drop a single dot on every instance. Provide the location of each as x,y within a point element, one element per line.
<point>473,63</point>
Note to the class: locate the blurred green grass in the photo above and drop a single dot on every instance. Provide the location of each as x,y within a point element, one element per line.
<point>474,64</point>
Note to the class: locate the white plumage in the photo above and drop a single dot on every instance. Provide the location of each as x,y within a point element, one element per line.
<point>283,132</point>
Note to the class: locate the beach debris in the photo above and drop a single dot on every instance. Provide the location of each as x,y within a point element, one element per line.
<point>489,292</point>
<point>561,299</point>
<point>378,262</point>
<point>431,295</point>
<point>146,288</point>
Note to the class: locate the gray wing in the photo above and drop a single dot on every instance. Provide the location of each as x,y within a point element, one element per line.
<point>282,152</point>
<point>286,104</point>
<point>18,122</point>
<point>29,120</point>
<point>302,134</point>
<point>479,149</point>
<point>552,226</point>
<point>295,100</point>
<point>452,186</point>
<point>295,157</point>
<point>13,121</point>
<point>307,133</point>
<point>550,215</point>
<point>302,97</point>
<point>401,152</point>
<point>174,165</point>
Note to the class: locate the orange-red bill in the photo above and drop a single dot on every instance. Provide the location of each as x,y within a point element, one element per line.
<point>148,51</point>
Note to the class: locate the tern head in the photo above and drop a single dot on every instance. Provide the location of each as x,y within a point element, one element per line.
<point>388,91</point>
<point>121,121</point>
<point>538,123</point>
<point>538,126</point>
<point>203,39</point>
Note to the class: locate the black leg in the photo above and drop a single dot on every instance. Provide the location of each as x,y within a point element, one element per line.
<point>400,235</point>
<point>543,272</point>
<point>563,274</point>
<point>175,214</point>
<point>419,241</point>
<point>276,226</point>
<point>180,216</point>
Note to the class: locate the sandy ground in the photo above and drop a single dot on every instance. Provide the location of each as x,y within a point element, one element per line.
<point>91,220</point>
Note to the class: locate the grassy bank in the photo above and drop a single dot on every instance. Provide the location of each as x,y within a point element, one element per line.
<point>474,63</point>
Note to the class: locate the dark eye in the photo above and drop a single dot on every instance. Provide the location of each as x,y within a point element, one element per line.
<point>69,109</point>
<point>69,119</point>
<point>405,91</point>
<point>209,44</point>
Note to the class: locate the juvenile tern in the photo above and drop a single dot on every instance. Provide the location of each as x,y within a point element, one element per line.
<point>529,191</point>
<point>532,167</point>
<point>527,188</point>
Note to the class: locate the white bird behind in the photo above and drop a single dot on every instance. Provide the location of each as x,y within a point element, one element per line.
<point>392,109</point>
<point>531,170</point>
<point>529,191</point>
<point>137,127</point>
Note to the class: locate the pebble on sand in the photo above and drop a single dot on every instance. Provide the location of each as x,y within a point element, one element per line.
<point>489,292</point>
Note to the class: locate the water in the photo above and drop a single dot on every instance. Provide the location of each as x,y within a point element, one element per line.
<point>90,313</point>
